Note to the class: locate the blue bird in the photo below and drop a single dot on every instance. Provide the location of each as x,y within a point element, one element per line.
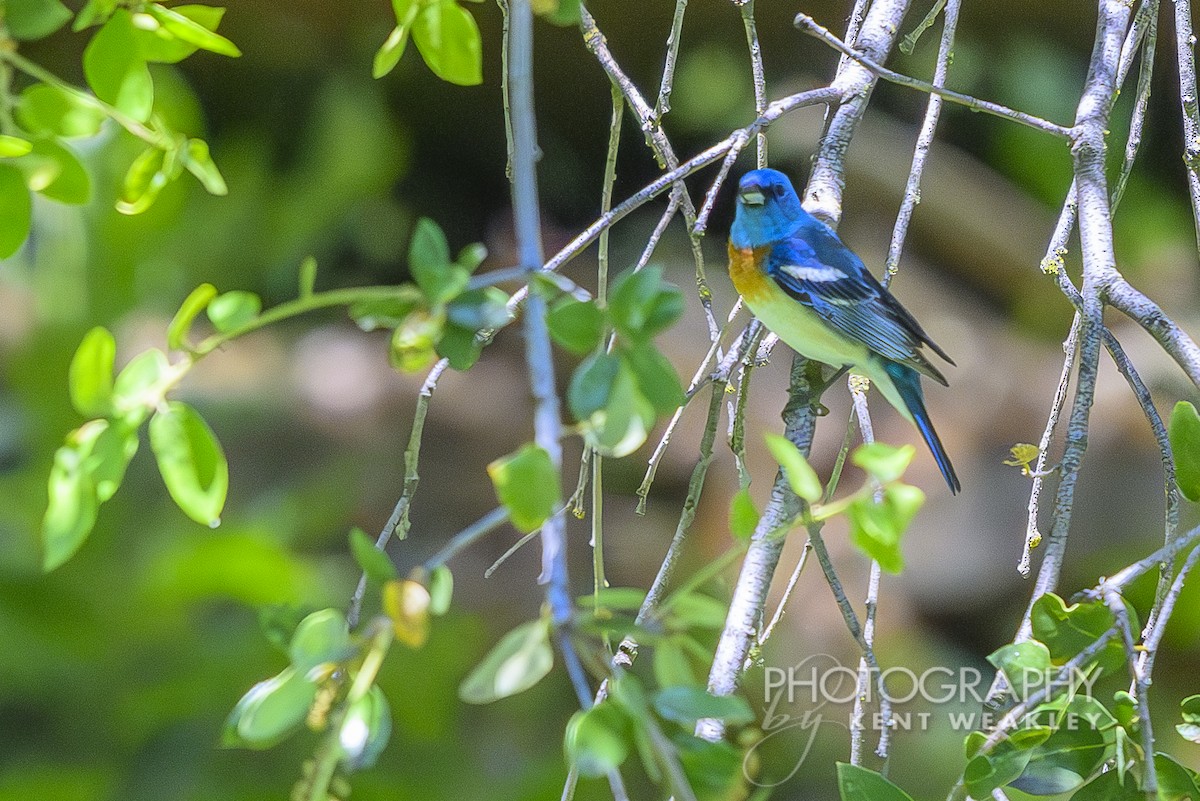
<point>798,278</point>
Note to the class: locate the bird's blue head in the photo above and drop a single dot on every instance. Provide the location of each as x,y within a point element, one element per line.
<point>768,209</point>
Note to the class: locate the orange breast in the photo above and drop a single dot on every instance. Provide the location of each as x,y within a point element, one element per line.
<point>748,278</point>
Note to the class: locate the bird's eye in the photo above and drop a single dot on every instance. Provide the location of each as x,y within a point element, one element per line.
<point>778,190</point>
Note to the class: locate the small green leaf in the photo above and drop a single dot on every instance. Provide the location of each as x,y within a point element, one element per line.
<point>320,638</point>
<point>800,475</point>
<point>414,341</point>
<point>1110,786</point>
<point>448,39</point>
<point>1174,780</point>
<point>685,705</point>
<point>694,610</point>
<point>160,45</point>
<point>622,426</point>
<point>876,528</point>
<point>73,503</point>
<point>595,741</point>
<point>115,69</point>
<point>270,711</point>
<point>627,599</point>
<point>460,347</point>
<point>16,210</point>
<point>34,19</point>
<point>592,385</point>
<point>191,462</point>
<point>199,163</point>
<point>561,12</point>
<point>308,276</point>
<point>479,309</point>
<point>1190,710</point>
<point>1185,444</point>
<point>441,590</point>
<point>883,462</point>
<point>144,180</point>
<point>54,171</point>
<point>365,730</point>
<point>430,264</point>
<point>1026,666</point>
<point>384,312</point>
<point>633,302</point>
<point>181,324</point>
<point>194,33</point>
<point>860,784</point>
<point>1067,630</point>
<point>743,517</point>
<point>137,388</point>
<point>114,448</point>
<point>90,376</point>
<point>520,660</point>
<point>656,378</point>
<point>390,52</point>
<point>985,773</point>
<point>12,146</point>
<point>232,310</point>
<point>576,325</point>
<point>46,109</point>
<point>527,484</point>
<point>471,256</point>
<point>714,770</point>
<point>375,563</point>
<point>671,664</point>
<point>407,603</point>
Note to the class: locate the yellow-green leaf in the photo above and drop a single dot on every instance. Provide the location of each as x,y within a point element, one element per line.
<point>90,376</point>
<point>191,462</point>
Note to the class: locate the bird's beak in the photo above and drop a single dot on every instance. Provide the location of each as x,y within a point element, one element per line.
<point>753,197</point>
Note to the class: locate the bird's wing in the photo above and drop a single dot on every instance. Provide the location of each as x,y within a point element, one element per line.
<point>816,269</point>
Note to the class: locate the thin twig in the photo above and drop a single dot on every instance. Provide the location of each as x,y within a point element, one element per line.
<point>1185,57</point>
<point>756,72</point>
<point>467,537</point>
<point>1116,604</point>
<point>668,77</point>
<point>810,26</point>
<point>398,521</point>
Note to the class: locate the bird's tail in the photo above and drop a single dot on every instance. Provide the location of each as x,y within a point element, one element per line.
<point>908,384</point>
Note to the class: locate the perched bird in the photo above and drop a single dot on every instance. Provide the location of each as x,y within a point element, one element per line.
<point>810,289</point>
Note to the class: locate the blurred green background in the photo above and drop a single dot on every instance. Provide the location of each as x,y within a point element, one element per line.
<point>117,670</point>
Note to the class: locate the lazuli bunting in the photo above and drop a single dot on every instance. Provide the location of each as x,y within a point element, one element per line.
<point>798,278</point>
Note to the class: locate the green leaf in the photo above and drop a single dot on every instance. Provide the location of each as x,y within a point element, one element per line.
<point>559,12</point>
<point>527,484</point>
<point>576,325</point>
<point>1190,710</point>
<point>1174,780</point>
<point>13,146</point>
<point>985,773</point>
<point>320,638</point>
<point>34,19</point>
<point>383,313</point>
<point>471,256</point>
<point>671,664</point>
<point>232,310</point>
<point>375,564</point>
<point>714,770</point>
<point>633,300</point>
<point>160,45</point>
<point>860,784</point>
<point>137,388</point>
<point>144,180</point>
<point>90,376</point>
<point>626,599</point>
<point>199,163</point>
<point>46,109</point>
<point>441,590</point>
<point>407,603</point>
<point>270,711</point>
<point>365,730</point>
<point>656,378</point>
<point>430,264</point>
<point>181,324</point>
<point>479,309</point>
<point>308,276</point>
<point>1184,434</point>
<point>622,426</point>
<point>1067,630</point>
<point>460,347</point>
<point>94,12</point>
<point>1109,786</point>
<point>800,475</point>
<point>595,741</point>
<point>73,503</point>
<point>685,705</point>
<point>388,55</point>
<point>519,661</point>
<point>885,463</point>
<point>592,384</point>
<point>111,453</point>
<point>194,33</point>
<point>448,39</point>
<point>16,210</point>
<point>54,171</point>
<point>694,610</point>
<point>414,341</point>
<point>876,528</point>
<point>1026,666</point>
<point>191,462</point>
<point>115,69</point>
<point>743,517</point>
